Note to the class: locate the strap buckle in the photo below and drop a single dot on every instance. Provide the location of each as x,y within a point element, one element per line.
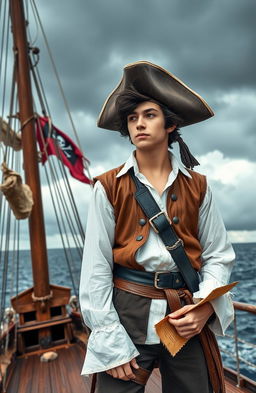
<point>177,244</point>
<point>155,216</point>
<point>156,279</point>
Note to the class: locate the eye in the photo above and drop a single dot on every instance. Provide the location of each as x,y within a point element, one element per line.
<point>131,118</point>
<point>150,115</point>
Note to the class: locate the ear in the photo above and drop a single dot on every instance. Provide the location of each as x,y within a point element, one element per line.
<point>171,129</point>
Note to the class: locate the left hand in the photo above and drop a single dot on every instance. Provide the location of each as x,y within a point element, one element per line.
<point>193,321</point>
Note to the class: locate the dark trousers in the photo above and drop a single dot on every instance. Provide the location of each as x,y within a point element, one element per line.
<point>184,373</point>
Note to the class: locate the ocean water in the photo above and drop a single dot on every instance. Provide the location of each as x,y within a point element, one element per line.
<point>244,272</point>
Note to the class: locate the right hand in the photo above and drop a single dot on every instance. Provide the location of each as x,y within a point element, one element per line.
<point>124,371</point>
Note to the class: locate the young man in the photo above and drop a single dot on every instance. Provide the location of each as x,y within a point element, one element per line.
<point>121,246</point>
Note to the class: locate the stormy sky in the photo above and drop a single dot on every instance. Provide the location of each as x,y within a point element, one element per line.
<point>209,44</point>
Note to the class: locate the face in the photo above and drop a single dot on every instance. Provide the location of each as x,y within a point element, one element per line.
<point>146,126</point>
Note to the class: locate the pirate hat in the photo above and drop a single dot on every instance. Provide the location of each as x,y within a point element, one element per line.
<point>156,83</point>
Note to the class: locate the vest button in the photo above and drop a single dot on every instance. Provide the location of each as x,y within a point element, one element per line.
<point>139,238</point>
<point>142,221</point>
<point>175,220</point>
<point>174,197</point>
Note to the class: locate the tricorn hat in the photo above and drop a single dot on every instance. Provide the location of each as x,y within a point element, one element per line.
<point>156,83</point>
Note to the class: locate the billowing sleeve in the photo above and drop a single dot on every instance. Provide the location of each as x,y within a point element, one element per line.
<point>217,262</point>
<point>109,344</point>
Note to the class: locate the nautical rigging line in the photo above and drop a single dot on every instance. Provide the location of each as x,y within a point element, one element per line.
<point>44,104</point>
<point>65,207</point>
<point>6,40</point>
<point>58,80</point>
<point>63,242</point>
<point>45,109</point>
<point>60,193</point>
<point>58,209</point>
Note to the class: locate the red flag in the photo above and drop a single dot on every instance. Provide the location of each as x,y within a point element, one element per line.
<point>53,141</point>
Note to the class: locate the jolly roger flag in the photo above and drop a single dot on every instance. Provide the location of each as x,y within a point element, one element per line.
<point>53,141</point>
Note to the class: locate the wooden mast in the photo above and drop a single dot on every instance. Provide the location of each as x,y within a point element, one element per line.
<point>26,114</point>
<point>43,319</point>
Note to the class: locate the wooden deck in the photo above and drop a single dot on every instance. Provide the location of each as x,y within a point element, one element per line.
<point>29,375</point>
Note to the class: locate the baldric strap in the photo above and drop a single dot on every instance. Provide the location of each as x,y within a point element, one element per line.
<point>162,225</point>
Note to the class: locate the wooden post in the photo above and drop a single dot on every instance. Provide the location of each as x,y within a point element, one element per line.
<point>26,113</point>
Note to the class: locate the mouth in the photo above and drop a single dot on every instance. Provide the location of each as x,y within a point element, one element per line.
<point>142,135</point>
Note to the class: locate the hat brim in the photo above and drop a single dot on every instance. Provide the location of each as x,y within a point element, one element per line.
<point>160,85</point>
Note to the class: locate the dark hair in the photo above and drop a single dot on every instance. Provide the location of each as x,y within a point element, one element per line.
<point>127,102</point>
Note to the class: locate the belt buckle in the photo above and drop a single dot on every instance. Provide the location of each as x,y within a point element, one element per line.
<point>157,215</point>
<point>156,279</point>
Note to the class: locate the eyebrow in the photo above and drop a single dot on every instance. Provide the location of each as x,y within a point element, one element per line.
<point>145,111</point>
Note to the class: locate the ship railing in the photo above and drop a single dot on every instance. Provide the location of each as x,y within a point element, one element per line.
<point>240,379</point>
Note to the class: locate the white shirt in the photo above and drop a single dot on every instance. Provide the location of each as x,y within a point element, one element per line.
<point>109,344</point>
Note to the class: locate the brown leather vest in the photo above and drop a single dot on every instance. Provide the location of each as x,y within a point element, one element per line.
<point>130,235</point>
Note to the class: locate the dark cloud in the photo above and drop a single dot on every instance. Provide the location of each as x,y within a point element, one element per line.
<point>235,205</point>
<point>210,45</point>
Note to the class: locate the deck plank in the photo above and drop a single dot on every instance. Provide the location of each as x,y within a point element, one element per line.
<point>30,375</point>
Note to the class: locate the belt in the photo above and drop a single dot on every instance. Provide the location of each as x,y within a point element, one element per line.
<point>159,279</point>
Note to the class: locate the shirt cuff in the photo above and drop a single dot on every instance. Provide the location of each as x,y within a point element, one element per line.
<point>223,306</point>
<point>108,347</point>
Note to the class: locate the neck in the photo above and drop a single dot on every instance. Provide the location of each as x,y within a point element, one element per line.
<point>154,161</point>
<point>155,166</point>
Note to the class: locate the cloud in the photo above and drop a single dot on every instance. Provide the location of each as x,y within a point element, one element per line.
<point>234,190</point>
<point>208,44</point>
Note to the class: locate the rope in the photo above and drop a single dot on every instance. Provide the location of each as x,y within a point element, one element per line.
<point>27,121</point>
<point>3,40</point>
<point>37,86</point>
<point>61,194</point>
<point>60,85</point>
<point>58,206</point>
<point>62,238</point>
<point>36,24</point>
<point>6,40</point>
<point>56,73</point>
<point>240,340</point>
<point>240,357</point>
<point>5,266</point>
<point>69,194</point>
<point>42,298</point>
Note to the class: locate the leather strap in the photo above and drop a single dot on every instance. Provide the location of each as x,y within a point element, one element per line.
<point>162,225</point>
<point>212,354</point>
<point>173,299</point>
<point>172,296</point>
<point>138,289</point>
<point>141,375</point>
<point>159,280</point>
<point>207,338</point>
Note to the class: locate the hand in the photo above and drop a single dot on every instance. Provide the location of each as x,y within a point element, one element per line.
<point>192,322</point>
<point>124,371</point>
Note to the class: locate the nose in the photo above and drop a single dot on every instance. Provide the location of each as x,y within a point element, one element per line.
<point>140,123</point>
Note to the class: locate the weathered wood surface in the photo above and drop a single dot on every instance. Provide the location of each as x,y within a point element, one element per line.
<point>245,307</point>
<point>29,375</point>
